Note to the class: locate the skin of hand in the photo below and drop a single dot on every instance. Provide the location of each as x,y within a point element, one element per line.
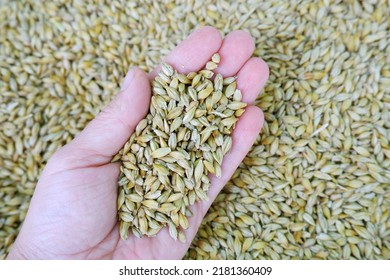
<point>73,213</point>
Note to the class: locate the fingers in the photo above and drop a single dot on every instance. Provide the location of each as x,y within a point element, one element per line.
<point>252,73</point>
<point>193,53</point>
<point>108,132</point>
<point>252,78</point>
<point>236,49</point>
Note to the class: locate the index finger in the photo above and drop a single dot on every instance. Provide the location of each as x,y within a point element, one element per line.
<point>194,52</point>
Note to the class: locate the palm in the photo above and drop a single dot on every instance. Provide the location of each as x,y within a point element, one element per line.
<point>89,219</point>
<point>73,211</point>
<point>83,214</point>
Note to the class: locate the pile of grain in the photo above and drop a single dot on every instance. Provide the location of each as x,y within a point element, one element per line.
<point>316,183</point>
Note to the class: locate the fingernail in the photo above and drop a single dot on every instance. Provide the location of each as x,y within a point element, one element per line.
<point>128,78</point>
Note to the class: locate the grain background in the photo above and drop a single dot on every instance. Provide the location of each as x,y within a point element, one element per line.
<point>316,185</point>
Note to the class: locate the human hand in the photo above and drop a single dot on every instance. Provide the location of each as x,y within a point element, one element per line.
<point>73,212</point>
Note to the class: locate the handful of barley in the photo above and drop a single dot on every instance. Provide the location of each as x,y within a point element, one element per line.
<point>184,137</point>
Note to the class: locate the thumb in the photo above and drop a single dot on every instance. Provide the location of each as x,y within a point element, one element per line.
<point>105,135</point>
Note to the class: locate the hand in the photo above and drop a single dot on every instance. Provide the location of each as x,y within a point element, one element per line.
<point>73,213</point>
